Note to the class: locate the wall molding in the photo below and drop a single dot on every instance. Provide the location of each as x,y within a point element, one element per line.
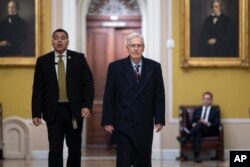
<point>172,120</point>
<point>176,121</point>
<point>21,146</point>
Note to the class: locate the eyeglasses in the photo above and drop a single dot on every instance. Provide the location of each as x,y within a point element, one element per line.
<point>136,46</point>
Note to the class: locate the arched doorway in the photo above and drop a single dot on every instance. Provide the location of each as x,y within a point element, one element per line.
<point>108,24</point>
<point>152,24</point>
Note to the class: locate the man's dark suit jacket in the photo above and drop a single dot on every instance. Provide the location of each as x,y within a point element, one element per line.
<point>15,33</point>
<point>223,31</point>
<point>134,108</point>
<point>79,83</point>
<point>213,118</point>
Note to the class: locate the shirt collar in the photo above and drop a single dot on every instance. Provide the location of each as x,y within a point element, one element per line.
<point>213,14</point>
<point>134,64</point>
<point>207,106</point>
<point>63,54</point>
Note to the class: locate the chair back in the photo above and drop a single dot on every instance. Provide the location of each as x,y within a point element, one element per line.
<point>186,114</point>
<point>215,142</point>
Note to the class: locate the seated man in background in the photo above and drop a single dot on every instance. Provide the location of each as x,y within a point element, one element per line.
<point>205,122</point>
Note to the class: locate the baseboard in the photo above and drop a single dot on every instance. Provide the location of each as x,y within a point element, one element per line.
<point>39,154</point>
<point>165,154</point>
<point>157,154</point>
<point>172,154</point>
<point>43,155</point>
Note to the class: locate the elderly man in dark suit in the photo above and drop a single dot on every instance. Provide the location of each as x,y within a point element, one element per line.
<point>63,95</point>
<point>205,122</point>
<point>134,102</point>
<point>217,36</point>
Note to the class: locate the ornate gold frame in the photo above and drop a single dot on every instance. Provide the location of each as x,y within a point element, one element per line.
<point>27,61</point>
<point>241,61</point>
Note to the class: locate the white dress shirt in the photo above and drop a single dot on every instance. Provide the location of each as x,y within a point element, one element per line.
<point>204,108</point>
<point>135,65</point>
<point>208,108</point>
<point>216,18</point>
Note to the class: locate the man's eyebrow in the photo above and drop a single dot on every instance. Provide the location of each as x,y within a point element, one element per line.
<point>59,36</point>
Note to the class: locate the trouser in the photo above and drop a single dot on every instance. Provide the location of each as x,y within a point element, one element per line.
<point>199,130</point>
<point>58,130</point>
<point>130,155</point>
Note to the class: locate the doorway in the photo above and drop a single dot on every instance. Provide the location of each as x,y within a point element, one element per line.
<point>105,44</point>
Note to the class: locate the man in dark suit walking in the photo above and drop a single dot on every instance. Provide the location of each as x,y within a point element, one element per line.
<point>205,122</point>
<point>62,95</point>
<point>134,102</point>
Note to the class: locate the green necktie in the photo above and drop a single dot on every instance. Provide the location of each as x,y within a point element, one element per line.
<point>62,80</point>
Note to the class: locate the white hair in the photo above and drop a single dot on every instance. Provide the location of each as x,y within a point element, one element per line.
<point>219,1</point>
<point>134,35</point>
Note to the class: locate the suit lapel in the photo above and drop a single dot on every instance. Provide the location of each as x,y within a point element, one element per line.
<point>199,113</point>
<point>211,114</point>
<point>146,74</point>
<point>129,73</point>
<point>69,64</point>
<point>52,66</point>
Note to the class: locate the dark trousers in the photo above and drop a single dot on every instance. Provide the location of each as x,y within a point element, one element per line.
<point>128,155</point>
<point>58,130</point>
<point>199,130</point>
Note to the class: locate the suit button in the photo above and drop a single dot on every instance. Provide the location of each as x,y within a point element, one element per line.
<point>143,101</point>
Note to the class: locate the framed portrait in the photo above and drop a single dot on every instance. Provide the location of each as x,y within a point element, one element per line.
<point>214,33</point>
<point>20,32</point>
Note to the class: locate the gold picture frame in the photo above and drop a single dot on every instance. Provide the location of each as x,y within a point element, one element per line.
<point>188,59</point>
<point>31,13</point>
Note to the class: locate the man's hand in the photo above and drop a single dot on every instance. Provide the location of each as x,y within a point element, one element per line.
<point>109,128</point>
<point>37,121</point>
<point>4,43</point>
<point>158,127</point>
<point>203,121</point>
<point>85,113</point>
<point>211,41</point>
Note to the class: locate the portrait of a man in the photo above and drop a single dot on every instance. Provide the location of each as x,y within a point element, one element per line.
<point>214,33</point>
<point>17,28</point>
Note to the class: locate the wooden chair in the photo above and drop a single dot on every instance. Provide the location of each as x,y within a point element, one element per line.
<point>208,143</point>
